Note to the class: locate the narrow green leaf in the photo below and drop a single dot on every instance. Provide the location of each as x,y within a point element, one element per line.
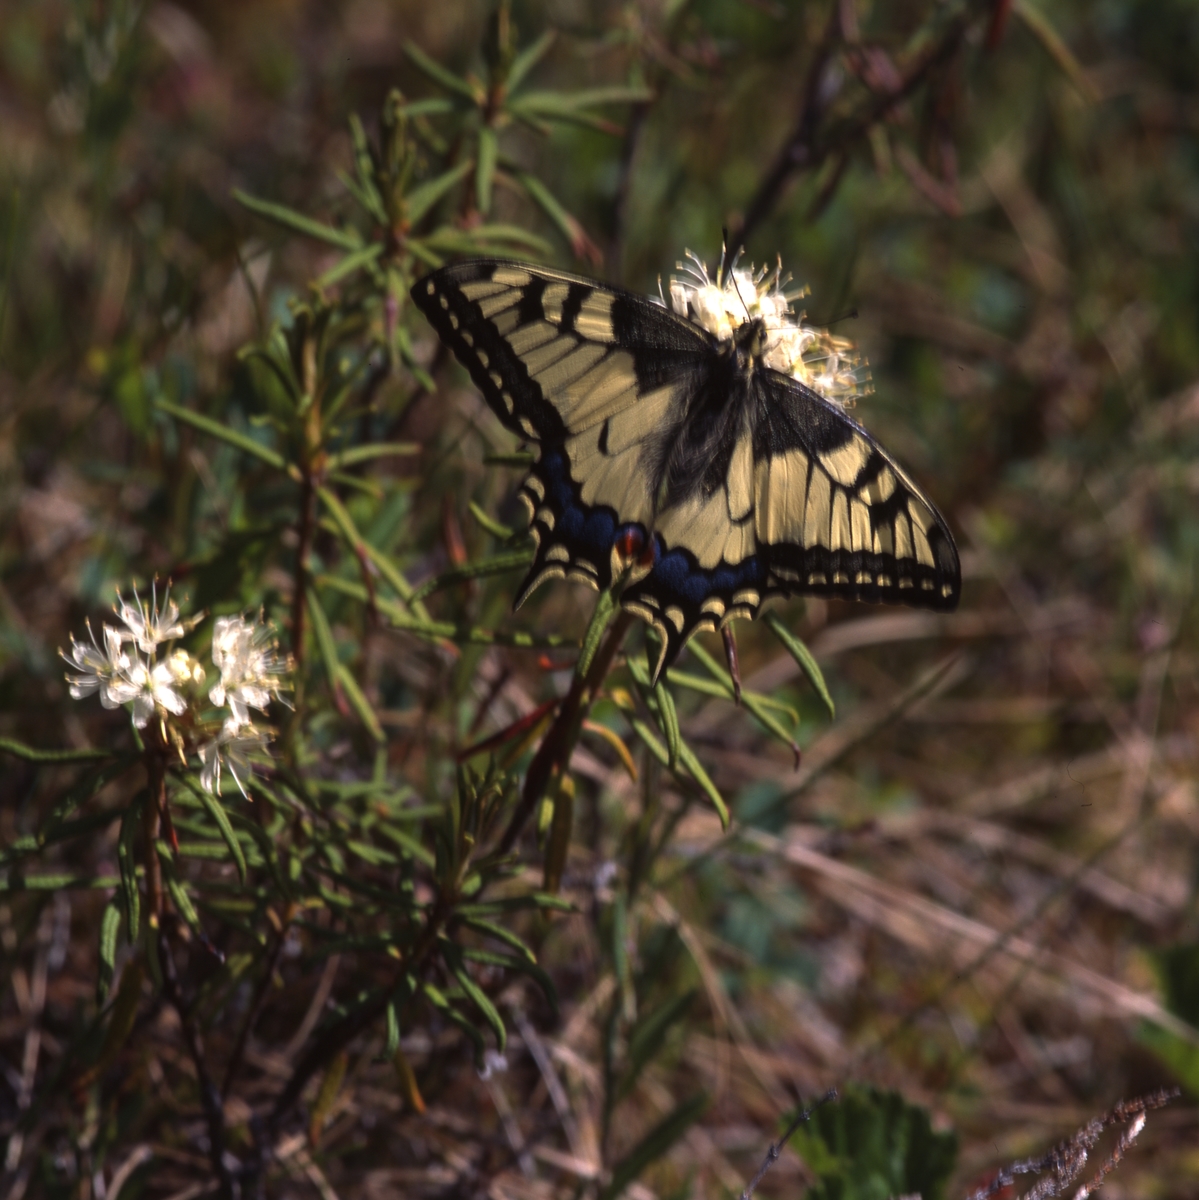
<point>351,263</point>
<point>393,1030</point>
<point>359,703</point>
<point>522,966</point>
<point>32,754</point>
<point>668,722</point>
<point>387,568</point>
<point>127,863</point>
<point>601,618</point>
<point>1056,47</point>
<point>549,204</point>
<point>522,458</point>
<point>178,892</point>
<point>297,222</point>
<point>647,735</point>
<point>220,818</point>
<point>452,954</point>
<point>654,1145</point>
<point>217,430</point>
<point>442,631</point>
<point>688,760</point>
<point>435,71</point>
<point>492,526</point>
<point>528,58</point>
<point>557,846</point>
<point>501,934</point>
<point>439,1001</point>
<point>552,104</point>
<point>647,1036</point>
<point>357,454</point>
<point>489,150</point>
<point>424,197</point>
<point>110,927</point>
<point>480,239</point>
<point>57,883</point>
<point>433,106</point>
<point>803,656</point>
<point>324,638</point>
<point>498,564</point>
<point>407,843</point>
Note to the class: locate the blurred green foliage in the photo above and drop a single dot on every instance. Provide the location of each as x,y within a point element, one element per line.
<point>210,217</point>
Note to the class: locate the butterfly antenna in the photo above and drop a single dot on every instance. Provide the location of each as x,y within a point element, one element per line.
<point>737,289</point>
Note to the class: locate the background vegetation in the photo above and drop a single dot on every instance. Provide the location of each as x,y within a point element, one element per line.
<point>973,905</point>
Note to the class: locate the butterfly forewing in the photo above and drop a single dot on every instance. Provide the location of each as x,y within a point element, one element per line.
<point>742,482</point>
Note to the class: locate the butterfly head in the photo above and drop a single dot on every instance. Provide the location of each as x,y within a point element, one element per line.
<point>749,342</point>
<point>750,313</point>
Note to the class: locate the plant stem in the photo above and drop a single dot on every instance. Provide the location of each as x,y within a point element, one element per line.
<point>210,1098</point>
<point>559,742</point>
<point>156,781</point>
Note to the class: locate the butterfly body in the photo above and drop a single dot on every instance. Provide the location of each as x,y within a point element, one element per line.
<point>681,457</point>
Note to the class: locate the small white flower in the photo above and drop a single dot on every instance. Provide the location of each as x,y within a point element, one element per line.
<point>246,656</point>
<point>147,624</point>
<point>103,670</point>
<point>235,751</point>
<point>816,358</point>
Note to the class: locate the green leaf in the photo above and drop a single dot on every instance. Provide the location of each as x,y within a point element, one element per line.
<point>110,927</point>
<point>393,1030</point>
<point>489,150</point>
<point>359,703</point>
<point>803,656</point>
<point>499,564</point>
<point>432,106</point>
<point>522,458</point>
<point>220,818</point>
<point>527,59</point>
<point>57,882</point>
<point>668,722</point>
<point>647,1036</point>
<point>501,934</point>
<point>871,1143</point>
<point>688,760</point>
<point>357,454</point>
<point>655,1144</point>
<point>557,846</point>
<point>422,198</point>
<point>126,861</point>
<point>435,71</point>
<point>549,204</point>
<point>324,638</point>
<point>351,263</point>
<point>178,892</point>
<point>288,218</point>
<point>601,618</point>
<point>31,754</point>
<point>452,954</point>
<point>217,430</point>
<point>443,631</point>
<point>492,526</point>
<point>552,104</point>
<point>387,568</point>
<point>439,1001</point>
<point>522,966</point>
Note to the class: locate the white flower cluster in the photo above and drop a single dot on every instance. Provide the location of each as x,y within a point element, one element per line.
<point>816,358</point>
<point>135,667</point>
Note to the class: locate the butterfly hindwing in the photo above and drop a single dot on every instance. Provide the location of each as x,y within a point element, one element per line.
<point>729,484</point>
